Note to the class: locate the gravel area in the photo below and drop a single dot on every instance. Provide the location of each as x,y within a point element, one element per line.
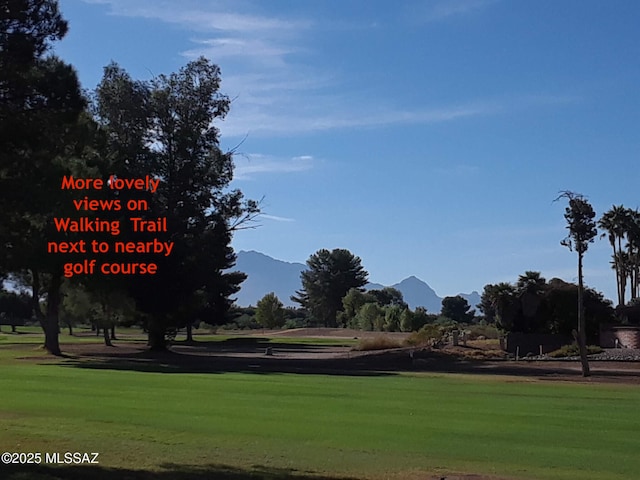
<point>608,354</point>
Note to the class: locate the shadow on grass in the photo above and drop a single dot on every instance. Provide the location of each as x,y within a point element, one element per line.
<point>183,363</point>
<point>168,472</point>
<point>248,355</point>
<point>241,356</point>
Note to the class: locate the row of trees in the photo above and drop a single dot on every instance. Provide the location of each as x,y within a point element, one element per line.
<point>162,128</point>
<point>374,310</point>
<point>622,228</point>
<point>534,305</point>
<point>333,293</point>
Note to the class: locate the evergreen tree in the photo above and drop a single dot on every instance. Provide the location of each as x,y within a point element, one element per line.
<point>330,276</point>
<point>42,137</point>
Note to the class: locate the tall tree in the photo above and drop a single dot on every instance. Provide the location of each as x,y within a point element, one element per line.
<point>388,296</point>
<point>164,128</point>
<point>529,288</point>
<point>351,303</point>
<point>632,230</point>
<point>614,222</point>
<point>457,309</point>
<point>579,215</point>
<point>270,312</point>
<point>330,275</point>
<point>42,134</point>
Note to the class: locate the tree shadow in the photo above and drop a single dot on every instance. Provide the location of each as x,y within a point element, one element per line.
<point>544,370</point>
<point>168,471</point>
<point>248,356</point>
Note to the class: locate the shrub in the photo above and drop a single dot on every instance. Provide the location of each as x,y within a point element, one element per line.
<point>427,335</point>
<point>486,331</point>
<point>573,351</point>
<point>377,343</point>
<point>295,323</point>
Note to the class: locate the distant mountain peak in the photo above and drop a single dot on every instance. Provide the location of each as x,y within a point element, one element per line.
<point>266,274</point>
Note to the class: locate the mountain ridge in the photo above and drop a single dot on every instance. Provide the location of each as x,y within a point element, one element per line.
<point>266,274</point>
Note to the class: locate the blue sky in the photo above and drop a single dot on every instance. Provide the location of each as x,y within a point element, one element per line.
<point>428,137</point>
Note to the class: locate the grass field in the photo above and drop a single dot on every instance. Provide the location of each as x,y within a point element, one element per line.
<point>251,425</point>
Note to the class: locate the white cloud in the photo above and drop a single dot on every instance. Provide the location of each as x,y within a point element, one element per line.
<point>256,121</point>
<point>247,166</point>
<point>232,33</point>
<point>276,218</point>
<point>276,90</point>
<point>230,47</point>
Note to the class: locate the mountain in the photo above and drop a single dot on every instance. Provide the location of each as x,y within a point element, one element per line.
<point>473,299</point>
<point>419,294</point>
<point>266,274</point>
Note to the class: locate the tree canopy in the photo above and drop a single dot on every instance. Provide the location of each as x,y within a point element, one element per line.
<point>165,128</point>
<point>330,275</point>
<point>42,137</point>
<point>457,309</point>
<point>270,311</point>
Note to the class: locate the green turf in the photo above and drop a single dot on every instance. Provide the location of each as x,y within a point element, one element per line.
<point>33,335</point>
<point>358,426</point>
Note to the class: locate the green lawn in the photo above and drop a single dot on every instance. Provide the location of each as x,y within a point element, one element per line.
<point>33,335</point>
<point>242,425</point>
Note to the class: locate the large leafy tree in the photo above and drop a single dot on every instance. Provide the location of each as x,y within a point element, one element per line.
<point>560,311</point>
<point>164,128</point>
<point>579,215</point>
<point>270,311</point>
<point>388,296</point>
<point>457,309</point>
<point>351,303</point>
<point>329,277</point>
<point>42,137</point>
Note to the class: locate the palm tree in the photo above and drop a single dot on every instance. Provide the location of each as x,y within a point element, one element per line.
<point>528,288</point>
<point>620,263</point>
<point>502,298</point>
<point>614,222</point>
<point>632,227</point>
<point>530,282</point>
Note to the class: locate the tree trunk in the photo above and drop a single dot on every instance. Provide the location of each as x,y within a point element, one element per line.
<point>35,294</point>
<point>105,329</point>
<point>156,339</point>
<point>50,323</point>
<point>580,335</point>
<point>113,332</point>
<point>70,327</point>
<point>107,338</point>
<point>189,332</point>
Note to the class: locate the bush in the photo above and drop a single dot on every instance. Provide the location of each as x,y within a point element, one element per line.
<point>486,331</point>
<point>243,322</point>
<point>427,335</point>
<point>573,351</point>
<point>377,343</point>
<point>295,323</point>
